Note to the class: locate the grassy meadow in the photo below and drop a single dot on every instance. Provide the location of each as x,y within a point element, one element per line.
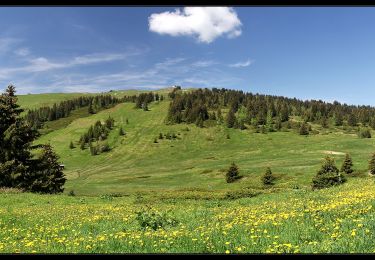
<point>172,197</point>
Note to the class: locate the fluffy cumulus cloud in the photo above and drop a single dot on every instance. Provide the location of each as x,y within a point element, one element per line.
<point>205,23</point>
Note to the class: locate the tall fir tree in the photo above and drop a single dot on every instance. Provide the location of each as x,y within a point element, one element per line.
<point>347,164</point>
<point>268,178</point>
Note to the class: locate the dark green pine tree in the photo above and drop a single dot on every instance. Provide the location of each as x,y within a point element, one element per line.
<point>71,145</point>
<point>48,175</point>
<point>372,164</point>
<point>161,136</point>
<point>268,178</point>
<point>328,175</point>
<point>16,137</point>
<point>347,165</point>
<point>231,119</point>
<point>232,173</point>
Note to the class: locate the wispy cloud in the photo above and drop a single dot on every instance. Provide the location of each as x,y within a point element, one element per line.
<point>22,52</point>
<point>204,63</point>
<point>241,64</point>
<point>7,44</point>
<point>207,23</point>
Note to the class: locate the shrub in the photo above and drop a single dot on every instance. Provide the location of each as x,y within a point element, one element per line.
<point>104,147</point>
<point>232,173</point>
<point>243,193</point>
<point>268,178</point>
<point>364,133</point>
<point>328,175</point>
<point>71,193</point>
<point>154,219</point>
<point>71,145</point>
<point>121,131</point>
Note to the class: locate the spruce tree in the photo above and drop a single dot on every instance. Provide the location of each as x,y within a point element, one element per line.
<point>48,176</point>
<point>328,175</point>
<point>347,165</point>
<point>268,178</point>
<point>71,145</point>
<point>16,137</point>
<point>160,136</point>
<point>90,109</point>
<point>372,165</point>
<point>232,173</point>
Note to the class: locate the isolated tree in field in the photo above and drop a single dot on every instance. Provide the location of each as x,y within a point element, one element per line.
<point>161,136</point>
<point>231,119</point>
<point>47,176</point>
<point>347,165</point>
<point>127,121</point>
<point>328,175</point>
<point>71,145</point>
<point>372,164</point>
<point>303,130</point>
<point>155,140</point>
<point>232,173</point>
<point>268,178</point>
<point>121,131</point>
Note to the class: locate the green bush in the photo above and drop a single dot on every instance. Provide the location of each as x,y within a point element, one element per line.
<point>268,178</point>
<point>147,218</point>
<point>364,133</point>
<point>243,193</point>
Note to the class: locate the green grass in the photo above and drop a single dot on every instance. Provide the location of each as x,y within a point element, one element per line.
<point>335,220</point>
<point>198,158</point>
<point>185,179</point>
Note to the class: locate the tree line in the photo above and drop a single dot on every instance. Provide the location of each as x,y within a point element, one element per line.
<point>18,167</point>
<point>36,117</point>
<point>257,109</point>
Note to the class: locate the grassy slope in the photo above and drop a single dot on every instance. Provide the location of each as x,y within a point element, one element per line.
<point>196,161</point>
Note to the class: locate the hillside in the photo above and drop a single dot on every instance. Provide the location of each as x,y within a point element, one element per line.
<point>198,158</point>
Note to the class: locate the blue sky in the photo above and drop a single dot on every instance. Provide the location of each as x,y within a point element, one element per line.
<point>323,53</point>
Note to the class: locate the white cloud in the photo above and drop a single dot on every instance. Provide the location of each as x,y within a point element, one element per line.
<point>22,52</point>
<point>204,63</point>
<point>241,64</point>
<point>207,23</point>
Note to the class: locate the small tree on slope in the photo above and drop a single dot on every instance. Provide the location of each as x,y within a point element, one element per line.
<point>232,173</point>
<point>268,178</point>
<point>328,175</point>
<point>347,165</point>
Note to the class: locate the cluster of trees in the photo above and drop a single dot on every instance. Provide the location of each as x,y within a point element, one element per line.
<point>36,117</point>
<point>266,110</point>
<point>18,167</point>
<point>97,133</point>
<point>143,99</point>
<point>168,136</point>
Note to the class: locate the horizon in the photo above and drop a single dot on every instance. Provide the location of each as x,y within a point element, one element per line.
<point>308,53</point>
